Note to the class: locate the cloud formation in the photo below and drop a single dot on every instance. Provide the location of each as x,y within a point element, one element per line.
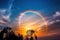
<point>4,17</point>
<point>56,14</point>
<point>54,18</point>
<point>6,13</point>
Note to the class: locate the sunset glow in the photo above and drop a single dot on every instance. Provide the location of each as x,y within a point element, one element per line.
<point>34,22</point>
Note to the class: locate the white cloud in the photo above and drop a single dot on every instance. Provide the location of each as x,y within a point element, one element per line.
<point>4,18</point>
<point>1,21</point>
<point>6,13</point>
<point>7,17</point>
<point>2,11</point>
<point>52,19</point>
<point>57,20</point>
<point>51,22</point>
<point>57,14</point>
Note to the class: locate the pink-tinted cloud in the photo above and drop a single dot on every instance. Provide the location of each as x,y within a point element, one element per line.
<point>54,18</point>
<point>56,14</point>
<point>4,19</point>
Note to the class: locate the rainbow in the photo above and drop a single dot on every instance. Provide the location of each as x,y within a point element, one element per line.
<point>35,12</point>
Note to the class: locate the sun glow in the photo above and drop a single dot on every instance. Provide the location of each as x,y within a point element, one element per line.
<point>32,23</point>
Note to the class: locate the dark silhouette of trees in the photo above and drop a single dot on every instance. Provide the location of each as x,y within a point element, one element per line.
<point>27,38</point>
<point>8,34</point>
<point>36,37</point>
<point>20,37</point>
<point>31,38</point>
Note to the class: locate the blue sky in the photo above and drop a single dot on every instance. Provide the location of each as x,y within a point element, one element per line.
<point>11,9</point>
<point>46,7</point>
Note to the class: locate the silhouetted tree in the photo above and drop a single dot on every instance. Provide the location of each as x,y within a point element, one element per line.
<point>31,38</point>
<point>35,37</point>
<point>26,38</point>
<point>1,35</point>
<point>20,37</point>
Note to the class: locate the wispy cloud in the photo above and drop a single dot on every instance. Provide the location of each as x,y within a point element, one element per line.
<point>4,18</point>
<point>6,13</point>
<point>2,11</point>
<point>56,14</point>
<point>54,18</point>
